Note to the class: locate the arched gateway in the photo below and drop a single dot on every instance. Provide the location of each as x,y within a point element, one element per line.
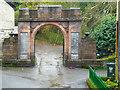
<point>68,21</point>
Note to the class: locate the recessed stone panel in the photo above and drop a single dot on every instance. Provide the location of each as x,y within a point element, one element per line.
<point>23,45</point>
<point>74,45</point>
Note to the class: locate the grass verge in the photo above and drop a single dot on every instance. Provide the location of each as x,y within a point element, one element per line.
<point>10,68</point>
<point>112,57</point>
<point>90,84</point>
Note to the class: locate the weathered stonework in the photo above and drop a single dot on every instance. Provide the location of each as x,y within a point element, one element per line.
<point>24,13</point>
<point>49,11</point>
<point>88,50</point>
<point>33,13</point>
<point>68,21</point>
<point>10,49</point>
<point>85,63</point>
<point>71,13</point>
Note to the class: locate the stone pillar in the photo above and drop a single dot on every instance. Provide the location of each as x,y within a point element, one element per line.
<point>71,13</point>
<point>74,40</point>
<point>32,49</point>
<point>24,40</point>
<point>74,13</point>
<point>24,13</point>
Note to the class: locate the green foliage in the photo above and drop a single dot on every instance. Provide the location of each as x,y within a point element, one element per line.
<point>10,68</point>
<point>94,13</point>
<point>65,5</point>
<point>112,84</point>
<point>112,57</point>
<point>50,34</point>
<point>16,4</point>
<point>16,14</point>
<point>91,85</point>
<point>105,35</point>
<point>104,78</point>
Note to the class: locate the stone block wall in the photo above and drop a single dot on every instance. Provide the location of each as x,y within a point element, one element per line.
<point>49,11</point>
<point>24,13</point>
<point>86,63</point>
<point>74,12</point>
<point>71,13</point>
<point>10,49</point>
<point>88,48</point>
<point>33,13</point>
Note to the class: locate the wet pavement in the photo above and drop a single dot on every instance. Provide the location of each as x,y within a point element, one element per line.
<point>48,72</point>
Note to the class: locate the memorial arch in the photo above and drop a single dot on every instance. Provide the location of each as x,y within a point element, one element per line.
<point>76,49</point>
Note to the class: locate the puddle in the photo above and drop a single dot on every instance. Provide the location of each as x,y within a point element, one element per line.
<point>49,72</point>
<point>29,78</point>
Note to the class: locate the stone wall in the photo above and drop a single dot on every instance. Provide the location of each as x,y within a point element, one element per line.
<point>49,11</point>
<point>71,13</point>
<point>88,48</point>
<point>30,21</point>
<point>86,63</point>
<point>10,49</point>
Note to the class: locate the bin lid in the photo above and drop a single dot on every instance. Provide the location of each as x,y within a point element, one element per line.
<point>111,63</point>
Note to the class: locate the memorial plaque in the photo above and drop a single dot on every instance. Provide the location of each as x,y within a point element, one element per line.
<point>74,56</point>
<point>74,45</point>
<point>23,45</point>
<point>23,56</point>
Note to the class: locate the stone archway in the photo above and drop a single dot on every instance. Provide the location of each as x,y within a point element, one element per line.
<point>68,21</point>
<point>77,50</point>
<point>61,28</point>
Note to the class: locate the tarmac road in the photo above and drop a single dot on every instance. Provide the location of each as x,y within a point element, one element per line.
<point>48,73</point>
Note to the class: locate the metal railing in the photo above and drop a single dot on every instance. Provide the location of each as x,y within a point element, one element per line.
<point>98,82</point>
<point>101,71</point>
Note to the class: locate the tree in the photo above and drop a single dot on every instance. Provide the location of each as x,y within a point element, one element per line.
<point>94,13</point>
<point>105,36</point>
